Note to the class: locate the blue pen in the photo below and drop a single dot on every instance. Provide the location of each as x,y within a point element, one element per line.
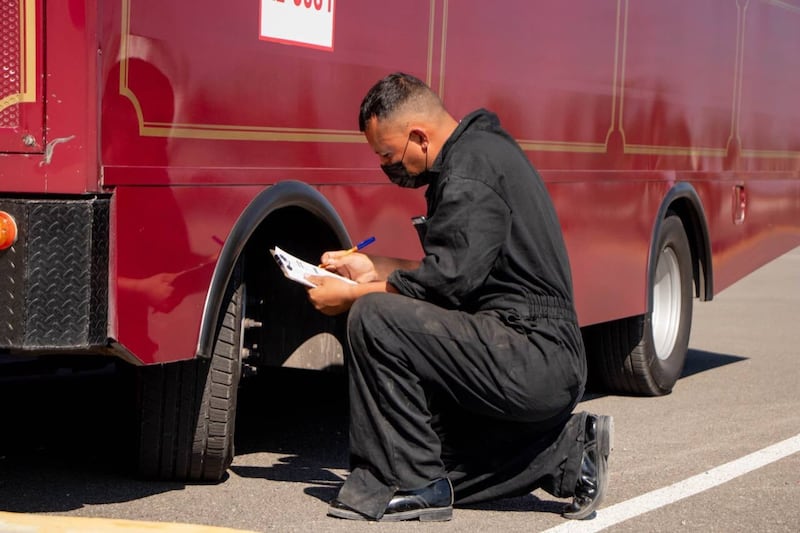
<point>360,246</point>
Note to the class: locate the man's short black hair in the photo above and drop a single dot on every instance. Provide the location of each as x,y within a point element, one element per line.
<point>389,94</point>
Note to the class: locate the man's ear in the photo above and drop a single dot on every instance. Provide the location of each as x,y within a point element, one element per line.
<point>419,136</point>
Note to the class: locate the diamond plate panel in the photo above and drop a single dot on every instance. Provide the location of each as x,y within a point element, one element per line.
<point>59,273</point>
<point>54,280</point>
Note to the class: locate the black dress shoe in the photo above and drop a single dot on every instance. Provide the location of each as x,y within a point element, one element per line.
<point>433,503</point>
<point>593,478</point>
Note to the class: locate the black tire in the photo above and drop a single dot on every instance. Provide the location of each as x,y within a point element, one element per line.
<point>187,410</point>
<point>645,354</point>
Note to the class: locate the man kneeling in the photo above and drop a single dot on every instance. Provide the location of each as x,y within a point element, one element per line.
<point>464,367</point>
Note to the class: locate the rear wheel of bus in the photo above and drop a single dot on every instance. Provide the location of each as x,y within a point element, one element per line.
<point>645,354</point>
<point>187,410</point>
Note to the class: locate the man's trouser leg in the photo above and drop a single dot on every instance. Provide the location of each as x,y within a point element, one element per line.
<point>406,351</point>
<point>505,459</point>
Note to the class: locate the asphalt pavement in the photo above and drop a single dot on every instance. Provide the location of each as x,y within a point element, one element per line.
<point>721,453</point>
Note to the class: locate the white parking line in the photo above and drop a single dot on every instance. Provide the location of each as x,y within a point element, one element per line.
<point>609,516</point>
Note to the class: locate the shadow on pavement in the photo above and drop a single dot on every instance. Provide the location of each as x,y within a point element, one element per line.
<point>301,416</point>
<point>700,361</point>
<point>66,442</point>
<point>697,361</point>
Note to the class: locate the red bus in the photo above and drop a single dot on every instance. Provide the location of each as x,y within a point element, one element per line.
<point>154,150</point>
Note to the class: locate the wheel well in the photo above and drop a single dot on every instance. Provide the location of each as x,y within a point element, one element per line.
<point>684,202</point>
<point>288,320</point>
<point>292,215</point>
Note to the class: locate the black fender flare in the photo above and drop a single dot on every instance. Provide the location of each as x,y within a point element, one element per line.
<point>283,194</point>
<point>683,199</point>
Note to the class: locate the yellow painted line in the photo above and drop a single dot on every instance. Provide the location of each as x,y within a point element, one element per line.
<point>34,523</point>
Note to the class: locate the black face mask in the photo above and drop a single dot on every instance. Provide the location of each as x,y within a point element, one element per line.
<point>399,175</point>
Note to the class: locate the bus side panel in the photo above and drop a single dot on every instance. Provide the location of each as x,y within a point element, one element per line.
<point>195,88</point>
<point>167,241</point>
<point>764,145</point>
<point>607,226</point>
<point>166,244</point>
<point>770,227</point>
<point>614,102</point>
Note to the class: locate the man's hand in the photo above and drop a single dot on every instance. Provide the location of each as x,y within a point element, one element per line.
<point>356,266</point>
<point>331,296</point>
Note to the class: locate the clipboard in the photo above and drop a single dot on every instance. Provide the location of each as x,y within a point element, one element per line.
<point>296,269</point>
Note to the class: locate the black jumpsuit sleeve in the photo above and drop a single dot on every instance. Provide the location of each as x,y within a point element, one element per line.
<point>463,239</point>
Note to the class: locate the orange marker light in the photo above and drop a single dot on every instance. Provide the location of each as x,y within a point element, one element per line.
<point>8,230</point>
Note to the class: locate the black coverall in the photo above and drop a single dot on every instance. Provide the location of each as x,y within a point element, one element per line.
<point>473,371</point>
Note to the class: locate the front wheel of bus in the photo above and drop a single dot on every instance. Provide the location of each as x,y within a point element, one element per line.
<point>187,410</point>
<point>645,354</point>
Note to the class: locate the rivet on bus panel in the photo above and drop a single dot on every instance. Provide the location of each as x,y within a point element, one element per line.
<point>8,230</point>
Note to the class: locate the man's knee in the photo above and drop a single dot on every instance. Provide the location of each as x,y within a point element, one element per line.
<point>366,317</point>
<point>367,309</point>
<point>382,317</point>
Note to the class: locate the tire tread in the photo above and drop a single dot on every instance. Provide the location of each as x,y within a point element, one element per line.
<point>188,408</point>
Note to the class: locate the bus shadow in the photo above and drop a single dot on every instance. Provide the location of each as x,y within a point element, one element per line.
<point>301,417</point>
<point>67,443</point>
<point>698,361</point>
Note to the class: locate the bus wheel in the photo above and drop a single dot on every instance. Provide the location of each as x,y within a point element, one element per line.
<point>645,354</point>
<point>187,409</point>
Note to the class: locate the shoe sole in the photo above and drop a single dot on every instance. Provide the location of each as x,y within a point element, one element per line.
<point>438,514</point>
<point>605,443</point>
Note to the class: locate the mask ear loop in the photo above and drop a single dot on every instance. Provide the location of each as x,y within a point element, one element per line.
<point>402,157</point>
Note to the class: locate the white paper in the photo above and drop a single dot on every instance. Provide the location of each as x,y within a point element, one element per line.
<point>296,269</point>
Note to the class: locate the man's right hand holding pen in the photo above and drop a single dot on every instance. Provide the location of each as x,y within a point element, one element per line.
<point>351,264</point>
<point>332,296</point>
